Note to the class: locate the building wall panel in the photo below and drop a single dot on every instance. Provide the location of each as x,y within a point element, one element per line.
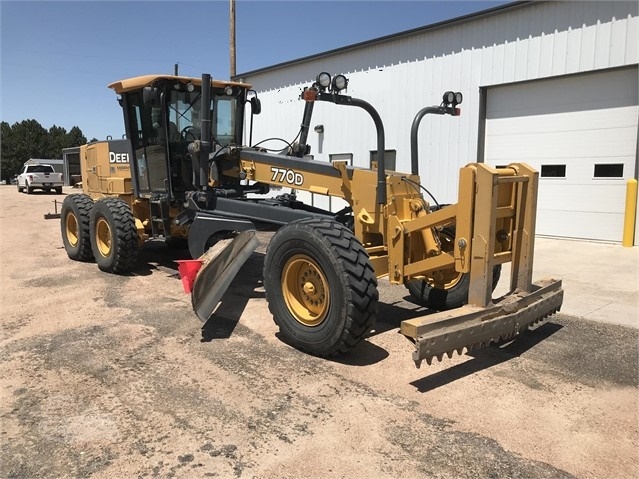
<point>404,73</point>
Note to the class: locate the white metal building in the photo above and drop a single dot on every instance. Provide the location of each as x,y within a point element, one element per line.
<point>553,84</point>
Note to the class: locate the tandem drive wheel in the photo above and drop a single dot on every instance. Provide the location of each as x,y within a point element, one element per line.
<point>114,237</point>
<point>74,223</point>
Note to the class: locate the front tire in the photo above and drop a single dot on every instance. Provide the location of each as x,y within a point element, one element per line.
<point>454,294</point>
<point>320,286</point>
<point>114,237</point>
<point>19,187</point>
<point>75,217</point>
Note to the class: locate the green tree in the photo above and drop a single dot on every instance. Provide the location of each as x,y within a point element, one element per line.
<point>76,138</point>
<point>58,139</point>
<point>28,139</point>
<point>8,162</point>
<point>24,140</point>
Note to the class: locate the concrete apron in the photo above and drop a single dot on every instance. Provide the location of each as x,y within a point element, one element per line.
<point>601,281</point>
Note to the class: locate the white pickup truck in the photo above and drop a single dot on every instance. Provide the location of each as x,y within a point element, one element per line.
<point>41,177</point>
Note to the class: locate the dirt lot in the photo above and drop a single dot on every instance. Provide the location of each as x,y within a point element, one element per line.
<point>113,376</point>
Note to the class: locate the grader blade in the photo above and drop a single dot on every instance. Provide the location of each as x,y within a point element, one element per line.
<point>474,327</point>
<point>221,264</point>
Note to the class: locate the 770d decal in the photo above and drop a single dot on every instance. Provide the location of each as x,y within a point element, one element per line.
<point>282,175</point>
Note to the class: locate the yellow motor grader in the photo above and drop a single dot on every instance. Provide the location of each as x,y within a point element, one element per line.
<point>184,174</point>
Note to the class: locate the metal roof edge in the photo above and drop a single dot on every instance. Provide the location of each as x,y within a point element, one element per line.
<point>405,33</point>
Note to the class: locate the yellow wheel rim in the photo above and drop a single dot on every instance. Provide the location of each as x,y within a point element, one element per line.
<point>305,290</point>
<point>72,229</point>
<point>103,237</point>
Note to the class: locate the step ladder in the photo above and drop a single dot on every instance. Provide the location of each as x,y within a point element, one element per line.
<point>160,223</point>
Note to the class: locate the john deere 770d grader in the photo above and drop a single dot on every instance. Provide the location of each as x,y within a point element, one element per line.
<point>184,174</point>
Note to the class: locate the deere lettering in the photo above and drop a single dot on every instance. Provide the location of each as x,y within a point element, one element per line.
<point>118,157</point>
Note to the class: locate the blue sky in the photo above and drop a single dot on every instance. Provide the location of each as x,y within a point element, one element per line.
<point>58,57</point>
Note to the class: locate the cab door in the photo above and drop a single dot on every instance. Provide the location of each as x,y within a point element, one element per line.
<point>146,123</point>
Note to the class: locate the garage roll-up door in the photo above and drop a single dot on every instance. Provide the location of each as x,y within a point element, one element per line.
<point>580,133</point>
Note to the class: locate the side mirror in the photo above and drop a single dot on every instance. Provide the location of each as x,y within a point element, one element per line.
<point>256,105</point>
<point>151,96</point>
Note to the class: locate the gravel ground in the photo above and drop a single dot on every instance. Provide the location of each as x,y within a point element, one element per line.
<point>113,376</point>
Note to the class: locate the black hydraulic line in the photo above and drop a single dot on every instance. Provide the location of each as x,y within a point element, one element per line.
<point>206,131</point>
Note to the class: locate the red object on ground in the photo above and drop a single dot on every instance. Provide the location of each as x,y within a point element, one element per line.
<point>188,269</point>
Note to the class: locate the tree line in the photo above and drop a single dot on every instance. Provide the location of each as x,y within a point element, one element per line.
<point>29,139</point>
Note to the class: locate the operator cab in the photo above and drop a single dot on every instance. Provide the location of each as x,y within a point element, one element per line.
<point>163,116</point>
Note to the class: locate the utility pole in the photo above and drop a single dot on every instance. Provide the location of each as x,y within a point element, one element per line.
<point>232,42</point>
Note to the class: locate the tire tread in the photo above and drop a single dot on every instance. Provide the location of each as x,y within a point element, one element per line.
<point>361,279</point>
<point>125,249</point>
<point>81,205</point>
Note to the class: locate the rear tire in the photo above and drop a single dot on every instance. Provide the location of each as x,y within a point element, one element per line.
<point>19,187</point>
<point>455,293</point>
<point>29,189</point>
<point>74,223</point>
<point>320,286</point>
<point>114,237</point>
<point>58,190</point>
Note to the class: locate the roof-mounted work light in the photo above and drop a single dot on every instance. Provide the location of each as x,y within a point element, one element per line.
<point>448,98</point>
<point>340,82</point>
<point>452,98</point>
<point>323,80</point>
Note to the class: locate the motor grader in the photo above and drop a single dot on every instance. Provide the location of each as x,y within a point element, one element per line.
<point>184,174</point>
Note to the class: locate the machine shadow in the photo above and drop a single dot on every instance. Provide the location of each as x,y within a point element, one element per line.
<point>389,317</point>
<point>245,286</point>
<point>364,354</point>
<point>487,357</point>
<point>157,255</point>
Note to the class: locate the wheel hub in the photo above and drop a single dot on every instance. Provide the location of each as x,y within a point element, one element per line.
<point>305,290</point>
<point>103,237</point>
<point>309,288</point>
<point>72,229</point>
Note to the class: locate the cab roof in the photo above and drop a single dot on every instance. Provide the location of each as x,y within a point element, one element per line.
<point>137,83</point>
